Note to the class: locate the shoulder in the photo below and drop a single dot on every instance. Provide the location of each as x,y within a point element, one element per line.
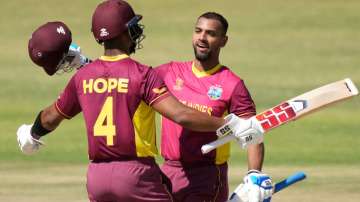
<point>230,77</point>
<point>134,64</point>
<point>127,63</point>
<point>172,66</point>
<point>138,64</point>
<point>86,70</point>
<point>229,74</point>
<point>88,67</point>
<point>134,67</point>
<point>233,81</point>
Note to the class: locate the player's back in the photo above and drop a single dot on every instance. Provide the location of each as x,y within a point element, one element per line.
<point>114,94</point>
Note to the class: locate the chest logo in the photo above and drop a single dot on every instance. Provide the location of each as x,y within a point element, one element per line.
<point>178,84</point>
<point>215,92</point>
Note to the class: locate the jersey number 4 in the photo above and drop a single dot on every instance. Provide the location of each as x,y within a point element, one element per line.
<point>104,123</point>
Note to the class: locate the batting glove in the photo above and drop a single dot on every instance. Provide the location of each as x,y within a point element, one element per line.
<point>246,131</point>
<point>240,194</point>
<point>259,186</point>
<point>27,143</point>
<point>74,59</point>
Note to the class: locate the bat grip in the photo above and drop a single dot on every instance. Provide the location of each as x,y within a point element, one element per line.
<point>206,148</point>
<point>289,181</point>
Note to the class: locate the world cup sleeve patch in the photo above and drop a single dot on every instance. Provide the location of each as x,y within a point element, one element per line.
<point>178,84</point>
<point>215,92</point>
<point>159,90</point>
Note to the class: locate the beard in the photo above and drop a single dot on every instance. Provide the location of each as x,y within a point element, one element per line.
<point>201,56</point>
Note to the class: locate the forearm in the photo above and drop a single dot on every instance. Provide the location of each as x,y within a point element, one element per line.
<point>187,117</point>
<point>50,118</point>
<point>255,154</point>
<point>199,121</point>
<point>46,121</point>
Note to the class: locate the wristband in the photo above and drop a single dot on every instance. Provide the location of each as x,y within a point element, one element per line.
<point>38,128</point>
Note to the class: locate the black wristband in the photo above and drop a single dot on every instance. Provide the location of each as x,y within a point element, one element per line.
<point>37,127</point>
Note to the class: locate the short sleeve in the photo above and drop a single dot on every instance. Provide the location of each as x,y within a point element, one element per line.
<point>154,88</point>
<point>241,102</point>
<point>162,70</point>
<point>68,103</point>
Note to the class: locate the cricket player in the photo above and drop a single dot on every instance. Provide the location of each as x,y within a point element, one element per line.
<point>117,95</point>
<point>212,88</point>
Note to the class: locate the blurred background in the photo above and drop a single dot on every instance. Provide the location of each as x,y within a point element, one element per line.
<point>280,48</point>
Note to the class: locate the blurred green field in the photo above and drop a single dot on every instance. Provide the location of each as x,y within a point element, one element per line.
<point>280,48</point>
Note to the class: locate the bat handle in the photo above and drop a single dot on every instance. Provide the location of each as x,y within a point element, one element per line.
<point>206,148</point>
<point>296,177</point>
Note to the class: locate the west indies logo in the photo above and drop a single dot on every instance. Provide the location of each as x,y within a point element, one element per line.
<point>215,92</point>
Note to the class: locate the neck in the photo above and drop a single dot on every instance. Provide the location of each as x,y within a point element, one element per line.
<point>114,52</point>
<point>115,46</point>
<point>206,65</point>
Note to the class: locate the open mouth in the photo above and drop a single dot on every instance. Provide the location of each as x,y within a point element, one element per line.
<point>202,47</point>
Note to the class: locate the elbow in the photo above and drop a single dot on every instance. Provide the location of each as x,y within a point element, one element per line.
<point>183,119</point>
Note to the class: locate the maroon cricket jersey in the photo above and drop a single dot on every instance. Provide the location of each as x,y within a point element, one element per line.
<point>115,95</point>
<point>216,92</point>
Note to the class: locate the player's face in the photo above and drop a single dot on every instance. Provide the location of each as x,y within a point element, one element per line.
<point>208,38</point>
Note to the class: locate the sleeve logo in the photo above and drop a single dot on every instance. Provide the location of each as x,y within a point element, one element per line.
<point>178,84</point>
<point>159,90</point>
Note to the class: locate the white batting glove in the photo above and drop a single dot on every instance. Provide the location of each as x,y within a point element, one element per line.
<point>240,194</point>
<point>259,186</point>
<point>74,59</point>
<point>246,131</point>
<point>27,143</point>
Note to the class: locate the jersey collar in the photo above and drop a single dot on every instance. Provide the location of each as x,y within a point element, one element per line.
<point>113,58</point>
<point>209,72</point>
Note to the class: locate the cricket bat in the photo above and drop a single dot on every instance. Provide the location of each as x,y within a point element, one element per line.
<point>296,107</point>
<point>239,195</point>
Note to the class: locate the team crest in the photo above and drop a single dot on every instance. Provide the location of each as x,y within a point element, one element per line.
<point>215,92</point>
<point>178,84</point>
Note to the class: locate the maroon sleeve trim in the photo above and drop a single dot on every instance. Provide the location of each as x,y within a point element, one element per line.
<point>159,98</point>
<point>247,114</point>
<point>61,113</point>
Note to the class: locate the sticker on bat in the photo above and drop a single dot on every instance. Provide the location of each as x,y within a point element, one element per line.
<point>280,114</point>
<point>298,105</point>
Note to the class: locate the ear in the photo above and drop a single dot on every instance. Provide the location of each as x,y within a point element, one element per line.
<point>225,39</point>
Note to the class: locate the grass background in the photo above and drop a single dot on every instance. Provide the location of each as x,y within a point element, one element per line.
<point>280,48</point>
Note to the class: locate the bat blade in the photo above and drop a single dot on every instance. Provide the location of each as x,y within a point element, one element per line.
<point>297,107</point>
